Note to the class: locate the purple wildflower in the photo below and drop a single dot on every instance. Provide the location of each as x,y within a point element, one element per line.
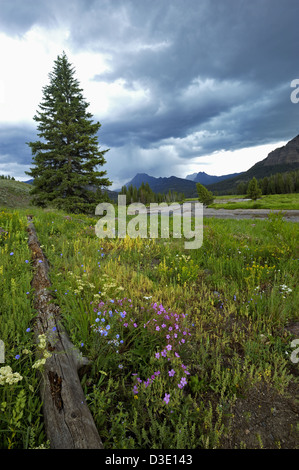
<point>166,398</point>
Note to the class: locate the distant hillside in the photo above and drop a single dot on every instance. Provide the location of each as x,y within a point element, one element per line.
<point>111,194</point>
<point>204,178</point>
<point>280,160</point>
<point>14,194</point>
<point>286,155</point>
<point>163,185</point>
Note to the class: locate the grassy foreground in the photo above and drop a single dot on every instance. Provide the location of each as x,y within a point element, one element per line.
<point>188,348</point>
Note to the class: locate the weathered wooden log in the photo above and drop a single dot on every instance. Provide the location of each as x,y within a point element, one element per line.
<point>68,421</point>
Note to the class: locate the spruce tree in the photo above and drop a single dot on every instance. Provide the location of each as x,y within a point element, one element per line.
<point>253,190</point>
<point>67,156</point>
<point>205,196</point>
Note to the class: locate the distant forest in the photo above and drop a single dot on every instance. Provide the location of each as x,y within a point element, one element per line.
<point>280,183</point>
<point>6,177</point>
<point>145,195</point>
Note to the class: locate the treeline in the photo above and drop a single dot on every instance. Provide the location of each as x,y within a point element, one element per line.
<point>280,183</point>
<point>146,195</point>
<point>6,177</point>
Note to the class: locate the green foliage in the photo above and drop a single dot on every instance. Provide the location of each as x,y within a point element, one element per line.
<point>7,177</point>
<point>67,156</point>
<point>21,424</point>
<point>253,191</point>
<point>145,195</point>
<point>235,296</point>
<point>204,195</point>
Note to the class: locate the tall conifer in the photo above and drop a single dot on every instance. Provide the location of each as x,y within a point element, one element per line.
<point>67,157</point>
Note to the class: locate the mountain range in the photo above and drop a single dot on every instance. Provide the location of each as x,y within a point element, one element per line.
<point>280,160</point>
<point>205,179</point>
<point>163,185</point>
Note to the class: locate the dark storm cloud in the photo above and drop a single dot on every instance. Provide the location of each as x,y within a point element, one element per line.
<point>217,73</point>
<point>18,16</point>
<point>167,46</point>
<point>13,146</point>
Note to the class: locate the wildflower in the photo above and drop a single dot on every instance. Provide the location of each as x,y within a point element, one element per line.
<point>42,341</point>
<point>11,253</point>
<point>183,381</point>
<point>169,347</point>
<point>7,376</point>
<point>171,373</point>
<point>39,363</point>
<point>28,329</point>
<point>17,356</point>
<point>166,398</point>
<point>157,355</point>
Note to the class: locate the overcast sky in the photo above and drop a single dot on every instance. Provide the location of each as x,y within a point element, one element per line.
<point>179,86</point>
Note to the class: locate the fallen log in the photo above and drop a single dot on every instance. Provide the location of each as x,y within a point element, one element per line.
<point>68,421</point>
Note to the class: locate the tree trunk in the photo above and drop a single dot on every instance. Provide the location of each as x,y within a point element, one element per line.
<point>68,421</point>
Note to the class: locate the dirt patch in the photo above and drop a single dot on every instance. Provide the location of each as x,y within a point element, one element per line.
<point>265,419</point>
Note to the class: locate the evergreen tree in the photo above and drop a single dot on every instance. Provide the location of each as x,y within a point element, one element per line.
<point>124,190</point>
<point>67,157</point>
<point>205,196</point>
<point>253,190</point>
<point>265,183</point>
<point>241,188</point>
<point>130,194</point>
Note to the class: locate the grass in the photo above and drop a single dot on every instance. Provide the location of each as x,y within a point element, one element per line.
<point>176,338</point>
<point>272,201</point>
<point>14,193</point>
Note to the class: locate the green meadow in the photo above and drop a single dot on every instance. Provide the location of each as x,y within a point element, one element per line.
<point>269,201</point>
<point>187,349</point>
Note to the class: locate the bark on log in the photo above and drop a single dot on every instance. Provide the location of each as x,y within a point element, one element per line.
<point>68,421</point>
